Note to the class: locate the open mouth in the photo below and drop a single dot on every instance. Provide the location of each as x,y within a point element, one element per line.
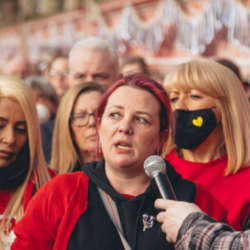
<point>123,146</point>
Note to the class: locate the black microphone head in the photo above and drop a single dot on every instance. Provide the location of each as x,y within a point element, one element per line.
<point>153,165</point>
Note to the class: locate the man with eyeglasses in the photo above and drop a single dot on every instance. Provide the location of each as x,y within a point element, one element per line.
<point>90,59</point>
<point>58,75</point>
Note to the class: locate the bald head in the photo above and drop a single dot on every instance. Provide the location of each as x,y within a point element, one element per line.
<point>18,66</point>
<point>93,59</point>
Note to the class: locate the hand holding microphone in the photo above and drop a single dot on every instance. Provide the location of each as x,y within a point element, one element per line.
<point>174,211</point>
<point>155,168</point>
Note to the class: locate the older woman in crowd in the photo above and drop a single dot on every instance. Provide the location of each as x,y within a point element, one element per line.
<point>110,204</point>
<point>22,166</point>
<point>75,131</point>
<point>210,131</point>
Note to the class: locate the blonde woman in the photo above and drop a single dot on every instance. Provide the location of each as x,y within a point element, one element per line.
<point>210,130</point>
<point>22,166</point>
<point>75,132</point>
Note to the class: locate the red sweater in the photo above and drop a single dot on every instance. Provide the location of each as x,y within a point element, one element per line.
<point>5,196</point>
<point>53,212</point>
<point>232,191</point>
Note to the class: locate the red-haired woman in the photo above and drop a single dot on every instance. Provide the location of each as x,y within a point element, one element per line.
<point>111,204</point>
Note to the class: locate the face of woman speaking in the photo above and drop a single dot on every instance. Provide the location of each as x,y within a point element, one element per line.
<point>129,128</point>
<point>13,131</point>
<point>85,136</point>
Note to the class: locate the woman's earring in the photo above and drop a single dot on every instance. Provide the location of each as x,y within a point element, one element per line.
<point>99,148</point>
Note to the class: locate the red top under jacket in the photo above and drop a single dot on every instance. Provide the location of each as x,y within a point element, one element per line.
<point>232,191</point>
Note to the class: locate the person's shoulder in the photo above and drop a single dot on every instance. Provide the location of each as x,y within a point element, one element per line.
<point>243,176</point>
<point>68,178</point>
<point>174,176</point>
<point>244,170</point>
<point>66,184</point>
<point>185,190</point>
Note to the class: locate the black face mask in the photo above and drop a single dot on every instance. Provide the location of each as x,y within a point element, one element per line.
<point>13,176</point>
<point>190,128</point>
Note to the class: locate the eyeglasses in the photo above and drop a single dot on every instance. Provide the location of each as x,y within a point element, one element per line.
<point>81,119</point>
<point>54,73</point>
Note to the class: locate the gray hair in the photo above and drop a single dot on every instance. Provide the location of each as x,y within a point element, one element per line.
<point>96,44</point>
<point>42,86</point>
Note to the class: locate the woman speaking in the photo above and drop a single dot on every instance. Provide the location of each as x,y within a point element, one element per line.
<point>111,204</point>
<point>210,131</point>
<point>22,166</point>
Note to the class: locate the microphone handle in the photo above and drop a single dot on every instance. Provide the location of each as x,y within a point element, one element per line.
<point>163,187</point>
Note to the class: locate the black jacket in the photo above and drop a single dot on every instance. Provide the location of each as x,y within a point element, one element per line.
<point>94,229</point>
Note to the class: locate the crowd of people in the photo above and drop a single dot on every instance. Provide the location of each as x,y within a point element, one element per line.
<point>74,137</point>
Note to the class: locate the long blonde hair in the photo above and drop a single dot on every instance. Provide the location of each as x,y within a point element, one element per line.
<point>221,83</point>
<point>18,91</point>
<point>64,156</point>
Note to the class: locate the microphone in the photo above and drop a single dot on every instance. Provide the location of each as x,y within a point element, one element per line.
<point>155,168</point>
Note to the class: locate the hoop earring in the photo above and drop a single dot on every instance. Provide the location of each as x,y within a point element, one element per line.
<point>99,148</point>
